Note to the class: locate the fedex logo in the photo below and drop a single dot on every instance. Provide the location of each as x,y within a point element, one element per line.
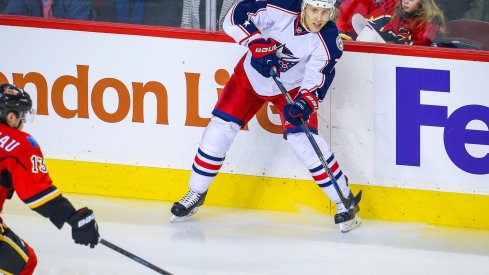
<point>411,115</point>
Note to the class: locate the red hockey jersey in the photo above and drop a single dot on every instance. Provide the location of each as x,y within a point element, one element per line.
<point>377,12</point>
<point>22,169</point>
<point>403,32</point>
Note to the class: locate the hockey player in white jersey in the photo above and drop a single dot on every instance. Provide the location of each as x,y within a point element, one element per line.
<point>301,43</point>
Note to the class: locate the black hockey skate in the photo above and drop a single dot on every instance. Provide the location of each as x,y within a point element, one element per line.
<point>187,206</point>
<point>348,219</point>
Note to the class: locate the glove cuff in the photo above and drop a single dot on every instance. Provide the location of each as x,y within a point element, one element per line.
<point>250,38</point>
<point>262,47</point>
<point>310,98</point>
<point>81,218</point>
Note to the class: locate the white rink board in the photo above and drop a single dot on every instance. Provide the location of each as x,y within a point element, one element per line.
<point>130,58</point>
<point>362,116</point>
<point>436,169</point>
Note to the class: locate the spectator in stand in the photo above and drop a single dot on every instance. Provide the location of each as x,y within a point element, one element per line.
<point>193,13</point>
<point>225,6</point>
<point>146,12</point>
<point>415,22</point>
<point>3,4</point>
<point>479,10</point>
<point>454,10</point>
<point>68,9</point>
<point>130,11</point>
<point>377,12</point>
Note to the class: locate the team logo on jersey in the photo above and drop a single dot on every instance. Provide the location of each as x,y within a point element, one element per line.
<point>339,43</point>
<point>300,30</point>
<point>287,59</point>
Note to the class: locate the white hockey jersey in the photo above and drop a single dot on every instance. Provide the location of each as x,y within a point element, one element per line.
<point>307,58</point>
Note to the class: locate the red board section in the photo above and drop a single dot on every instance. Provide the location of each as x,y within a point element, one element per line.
<point>190,34</point>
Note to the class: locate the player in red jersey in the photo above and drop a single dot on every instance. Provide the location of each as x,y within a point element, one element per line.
<point>23,171</point>
<point>415,22</point>
<point>377,12</point>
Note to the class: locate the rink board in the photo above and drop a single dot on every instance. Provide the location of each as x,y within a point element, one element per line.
<point>384,203</point>
<point>408,125</point>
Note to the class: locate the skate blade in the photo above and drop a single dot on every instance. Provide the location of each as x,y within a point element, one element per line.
<point>351,224</point>
<point>175,219</point>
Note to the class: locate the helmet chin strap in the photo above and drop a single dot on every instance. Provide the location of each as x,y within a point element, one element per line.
<point>20,124</point>
<point>21,121</point>
<point>303,21</point>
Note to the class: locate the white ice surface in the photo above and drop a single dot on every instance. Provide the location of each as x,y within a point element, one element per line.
<point>220,240</point>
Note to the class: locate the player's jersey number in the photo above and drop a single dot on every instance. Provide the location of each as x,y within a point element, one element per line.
<point>38,165</point>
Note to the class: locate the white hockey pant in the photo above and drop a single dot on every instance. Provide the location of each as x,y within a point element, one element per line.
<point>305,152</point>
<point>215,142</point>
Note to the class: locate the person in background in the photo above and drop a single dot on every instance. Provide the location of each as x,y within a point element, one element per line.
<point>226,5</point>
<point>301,43</point>
<point>130,11</point>
<point>415,22</point>
<point>478,10</point>
<point>3,4</point>
<point>454,9</point>
<point>377,12</point>
<point>146,12</point>
<point>192,12</point>
<point>23,171</point>
<point>67,9</point>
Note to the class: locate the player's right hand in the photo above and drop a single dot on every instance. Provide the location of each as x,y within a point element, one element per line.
<point>84,228</point>
<point>304,104</point>
<point>264,55</point>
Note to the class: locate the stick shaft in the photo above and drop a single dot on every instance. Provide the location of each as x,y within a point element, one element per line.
<point>133,257</point>
<point>346,202</point>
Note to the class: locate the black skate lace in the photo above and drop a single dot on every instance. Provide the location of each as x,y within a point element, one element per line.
<point>190,199</point>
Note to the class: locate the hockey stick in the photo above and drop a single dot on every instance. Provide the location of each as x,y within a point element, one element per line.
<point>134,257</point>
<point>349,204</point>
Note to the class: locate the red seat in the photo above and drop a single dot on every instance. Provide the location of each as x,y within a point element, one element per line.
<point>470,31</point>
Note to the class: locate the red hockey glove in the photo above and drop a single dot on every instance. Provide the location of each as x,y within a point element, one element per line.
<point>264,55</point>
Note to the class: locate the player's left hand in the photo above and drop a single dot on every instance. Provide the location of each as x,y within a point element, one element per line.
<point>305,104</point>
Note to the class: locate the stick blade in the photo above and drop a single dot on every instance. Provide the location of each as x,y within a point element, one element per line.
<point>354,208</point>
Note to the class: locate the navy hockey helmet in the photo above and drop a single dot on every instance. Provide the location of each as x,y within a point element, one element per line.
<point>14,99</point>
